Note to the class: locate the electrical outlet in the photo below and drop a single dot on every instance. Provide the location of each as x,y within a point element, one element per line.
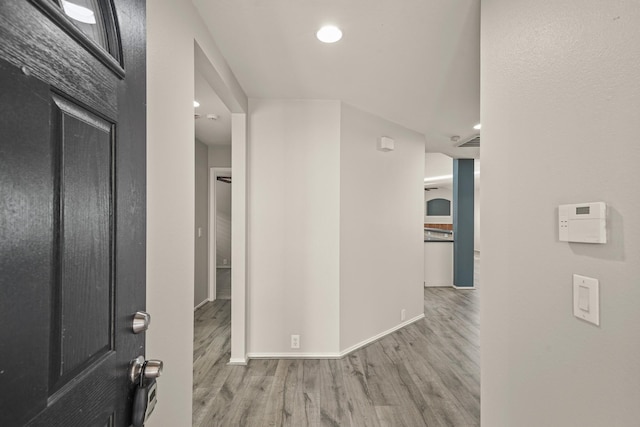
<point>224,261</point>
<point>199,231</point>
<point>295,341</point>
<point>403,314</point>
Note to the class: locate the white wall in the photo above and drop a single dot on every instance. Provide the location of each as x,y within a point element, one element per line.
<point>560,105</point>
<point>381,237</point>
<point>438,165</point>
<point>293,252</point>
<point>170,206</point>
<point>172,26</point>
<point>219,156</point>
<point>335,226</point>
<point>223,223</point>
<point>201,245</point>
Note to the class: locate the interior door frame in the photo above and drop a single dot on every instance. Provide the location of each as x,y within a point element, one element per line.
<point>214,173</point>
<point>239,230</point>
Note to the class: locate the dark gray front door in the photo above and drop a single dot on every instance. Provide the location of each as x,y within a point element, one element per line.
<point>72,209</point>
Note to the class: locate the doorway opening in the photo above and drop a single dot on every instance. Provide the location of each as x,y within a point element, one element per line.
<point>440,208</point>
<point>212,123</point>
<point>220,130</point>
<point>220,237</point>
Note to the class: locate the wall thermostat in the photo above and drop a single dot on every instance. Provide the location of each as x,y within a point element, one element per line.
<point>583,222</point>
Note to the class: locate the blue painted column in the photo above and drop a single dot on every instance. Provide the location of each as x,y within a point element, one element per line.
<point>463,193</point>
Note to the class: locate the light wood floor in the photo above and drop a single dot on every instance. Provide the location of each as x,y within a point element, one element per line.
<point>426,374</point>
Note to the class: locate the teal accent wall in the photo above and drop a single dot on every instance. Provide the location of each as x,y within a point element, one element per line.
<point>463,194</point>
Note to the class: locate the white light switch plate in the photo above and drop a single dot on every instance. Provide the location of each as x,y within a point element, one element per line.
<point>586,298</point>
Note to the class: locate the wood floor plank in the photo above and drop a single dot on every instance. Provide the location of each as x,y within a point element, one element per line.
<point>249,406</point>
<point>462,388</point>
<point>311,391</point>
<point>390,416</point>
<point>212,334</point>
<point>333,411</point>
<point>425,374</point>
<point>286,398</point>
<point>449,411</point>
<point>230,404</point>
<point>294,412</point>
<point>416,411</point>
<point>358,397</point>
<point>377,376</point>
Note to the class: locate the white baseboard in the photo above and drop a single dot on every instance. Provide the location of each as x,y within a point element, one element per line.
<point>223,266</point>
<point>464,288</point>
<point>201,304</point>
<point>294,355</point>
<point>380,335</point>
<point>237,362</point>
<point>334,355</point>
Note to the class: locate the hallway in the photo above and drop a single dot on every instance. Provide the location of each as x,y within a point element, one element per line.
<point>426,374</point>
<point>223,283</point>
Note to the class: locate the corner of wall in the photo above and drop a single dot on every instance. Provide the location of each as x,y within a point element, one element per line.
<point>293,219</point>
<point>381,222</point>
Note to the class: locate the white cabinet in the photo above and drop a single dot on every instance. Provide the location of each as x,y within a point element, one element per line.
<point>438,264</point>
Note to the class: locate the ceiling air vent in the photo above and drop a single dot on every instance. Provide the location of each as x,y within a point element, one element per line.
<point>471,142</point>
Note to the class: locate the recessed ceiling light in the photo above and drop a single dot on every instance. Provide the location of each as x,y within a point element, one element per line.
<point>196,104</point>
<point>477,127</point>
<point>329,34</point>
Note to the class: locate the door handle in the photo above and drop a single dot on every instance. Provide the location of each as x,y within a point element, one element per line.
<point>143,373</point>
<point>151,369</point>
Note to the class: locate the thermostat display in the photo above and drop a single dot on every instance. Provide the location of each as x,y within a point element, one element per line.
<point>583,222</point>
<point>582,210</point>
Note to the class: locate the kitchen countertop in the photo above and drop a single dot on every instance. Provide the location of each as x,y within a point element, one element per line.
<point>437,235</point>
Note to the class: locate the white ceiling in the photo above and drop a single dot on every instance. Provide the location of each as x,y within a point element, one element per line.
<point>211,132</point>
<point>413,62</point>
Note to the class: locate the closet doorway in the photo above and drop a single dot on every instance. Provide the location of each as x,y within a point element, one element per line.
<point>220,261</point>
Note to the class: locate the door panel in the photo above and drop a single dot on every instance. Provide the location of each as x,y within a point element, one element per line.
<point>89,401</point>
<point>26,220</point>
<point>82,312</point>
<point>72,212</point>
